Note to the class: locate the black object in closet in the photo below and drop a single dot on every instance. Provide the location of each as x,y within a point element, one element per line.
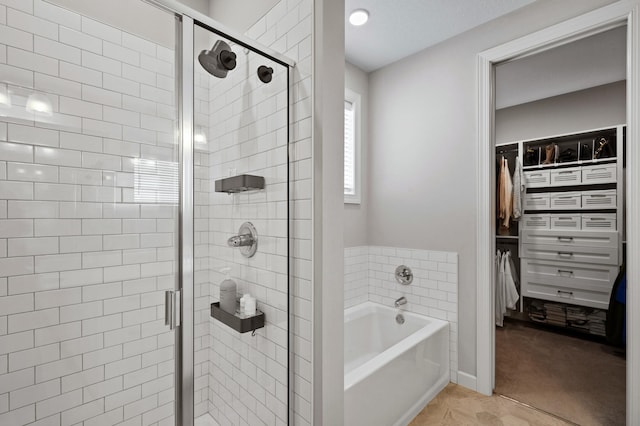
<point>510,152</point>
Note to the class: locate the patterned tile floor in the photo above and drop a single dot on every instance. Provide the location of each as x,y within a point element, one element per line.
<point>459,406</point>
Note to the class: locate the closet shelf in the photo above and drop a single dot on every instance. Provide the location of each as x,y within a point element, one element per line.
<point>571,163</point>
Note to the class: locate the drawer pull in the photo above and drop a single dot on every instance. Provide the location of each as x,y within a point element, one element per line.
<point>564,254</point>
<point>562,292</point>
<point>565,271</point>
<point>596,195</point>
<point>565,238</point>
<point>567,172</point>
<point>565,218</point>
<point>566,197</point>
<point>535,174</point>
<point>598,170</point>
<point>597,218</point>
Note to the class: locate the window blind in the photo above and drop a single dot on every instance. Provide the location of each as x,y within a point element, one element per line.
<point>349,149</point>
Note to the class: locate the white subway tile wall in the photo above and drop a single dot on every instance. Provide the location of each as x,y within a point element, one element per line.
<point>288,28</point>
<point>85,256</point>
<point>246,133</point>
<point>356,275</point>
<point>433,292</point>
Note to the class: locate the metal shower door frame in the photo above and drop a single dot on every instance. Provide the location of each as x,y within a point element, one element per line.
<point>184,337</point>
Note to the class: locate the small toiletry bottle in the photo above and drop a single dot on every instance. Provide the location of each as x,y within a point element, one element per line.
<point>250,306</point>
<point>243,303</point>
<point>228,293</point>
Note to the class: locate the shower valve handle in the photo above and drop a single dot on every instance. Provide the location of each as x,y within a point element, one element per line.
<point>240,240</point>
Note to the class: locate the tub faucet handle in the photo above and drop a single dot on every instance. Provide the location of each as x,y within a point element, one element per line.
<point>400,301</point>
<point>404,275</point>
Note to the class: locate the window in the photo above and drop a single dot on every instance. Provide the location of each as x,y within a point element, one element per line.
<point>351,148</point>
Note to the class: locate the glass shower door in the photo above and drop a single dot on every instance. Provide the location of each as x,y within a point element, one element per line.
<point>240,129</point>
<point>89,196</point>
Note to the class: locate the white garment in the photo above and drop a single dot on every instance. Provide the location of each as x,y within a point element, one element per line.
<point>511,292</point>
<point>518,190</point>
<point>506,292</point>
<point>499,291</point>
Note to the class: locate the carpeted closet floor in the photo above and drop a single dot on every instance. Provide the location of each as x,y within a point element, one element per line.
<point>578,380</point>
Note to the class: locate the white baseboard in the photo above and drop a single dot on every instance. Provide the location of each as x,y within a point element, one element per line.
<point>467,380</point>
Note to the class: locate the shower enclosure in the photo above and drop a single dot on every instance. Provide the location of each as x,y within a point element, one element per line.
<point>130,144</point>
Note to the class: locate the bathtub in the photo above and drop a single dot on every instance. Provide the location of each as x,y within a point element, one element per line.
<point>391,370</point>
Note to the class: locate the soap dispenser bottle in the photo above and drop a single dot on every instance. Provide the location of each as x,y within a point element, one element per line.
<point>228,293</point>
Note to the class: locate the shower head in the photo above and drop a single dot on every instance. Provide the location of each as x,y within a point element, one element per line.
<point>219,60</point>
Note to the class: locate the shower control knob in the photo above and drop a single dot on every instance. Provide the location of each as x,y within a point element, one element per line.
<point>265,74</point>
<point>228,59</point>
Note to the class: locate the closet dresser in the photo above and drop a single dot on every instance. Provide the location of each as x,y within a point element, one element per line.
<point>571,233</point>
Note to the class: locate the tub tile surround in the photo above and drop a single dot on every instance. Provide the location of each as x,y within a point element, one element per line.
<point>87,235</point>
<point>369,276</point>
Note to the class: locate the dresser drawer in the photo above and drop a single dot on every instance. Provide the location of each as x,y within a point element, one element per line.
<point>565,177</point>
<point>599,199</point>
<point>565,200</point>
<point>599,222</point>
<point>570,238</point>
<point>566,222</point>
<point>574,296</point>
<point>536,179</point>
<point>536,202</point>
<point>580,284</point>
<point>580,254</point>
<point>599,174</point>
<point>537,221</point>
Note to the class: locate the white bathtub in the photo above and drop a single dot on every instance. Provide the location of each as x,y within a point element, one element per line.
<point>391,370</point>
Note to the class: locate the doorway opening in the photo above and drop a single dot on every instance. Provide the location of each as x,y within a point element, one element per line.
<point>587,25</point>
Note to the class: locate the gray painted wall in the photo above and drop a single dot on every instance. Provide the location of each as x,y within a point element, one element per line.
<point>422,148</point>
<point>593,108</point>
<point>355,215</point>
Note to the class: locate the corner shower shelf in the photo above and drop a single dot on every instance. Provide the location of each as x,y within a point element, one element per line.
<point>240,183</point>
<point>239,324</point>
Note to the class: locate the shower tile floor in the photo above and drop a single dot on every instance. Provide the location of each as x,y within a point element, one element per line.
<point>205,420</point>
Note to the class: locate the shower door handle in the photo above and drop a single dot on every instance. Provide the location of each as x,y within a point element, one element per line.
<point>172,303</point>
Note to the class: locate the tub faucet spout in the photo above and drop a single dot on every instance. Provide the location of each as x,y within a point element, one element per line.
<point>400,301</point>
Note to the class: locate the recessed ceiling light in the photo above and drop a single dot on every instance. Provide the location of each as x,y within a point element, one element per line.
<point>359,17</point>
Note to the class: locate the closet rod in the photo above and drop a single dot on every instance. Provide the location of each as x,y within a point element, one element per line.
<point>507,151</point>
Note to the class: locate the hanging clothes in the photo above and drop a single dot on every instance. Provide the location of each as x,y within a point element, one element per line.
<point>505,194</point>
<point>518,190</point>
<point>510,287</point>
<point>506,291</point>
<point>499,306</point>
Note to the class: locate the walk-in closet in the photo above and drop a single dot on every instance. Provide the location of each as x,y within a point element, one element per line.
<point>559,292</point>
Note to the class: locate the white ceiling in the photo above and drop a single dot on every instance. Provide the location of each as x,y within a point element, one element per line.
<point>399,28</point>
<point>589,62</point>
